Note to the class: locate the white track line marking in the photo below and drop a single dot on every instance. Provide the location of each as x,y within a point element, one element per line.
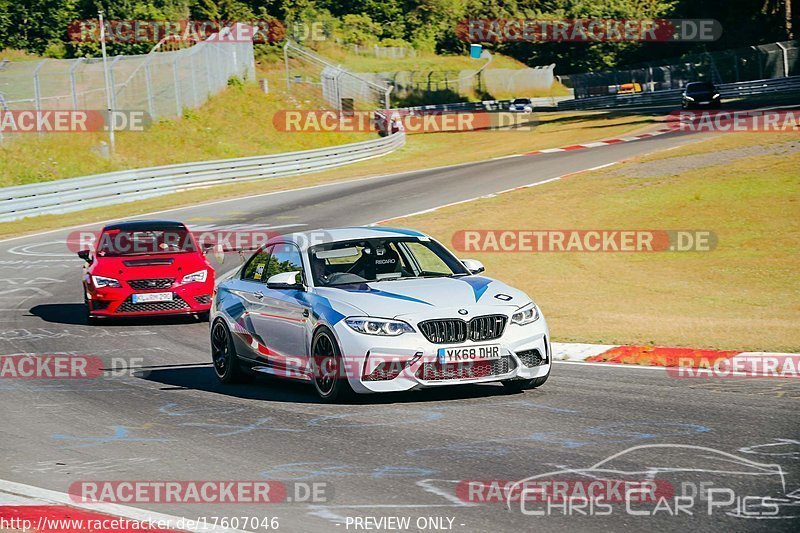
<point>611,365</point>
<point>492,194</point>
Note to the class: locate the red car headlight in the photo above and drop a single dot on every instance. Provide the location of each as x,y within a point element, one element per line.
<point>102,281</point>
<point>199,276</point>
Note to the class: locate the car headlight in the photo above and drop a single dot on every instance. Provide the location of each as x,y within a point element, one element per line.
<point>100,282</point>
<point>526,315</point>
<point>716,95</point>
<point>199,276</point>
<point>689,98</point>
<point>378,326</point>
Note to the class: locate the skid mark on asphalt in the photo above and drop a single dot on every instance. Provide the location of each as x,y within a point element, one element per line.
<point>19,264</point>
<point>35,334</point>
<point>610,434</point>
<point>85,467</point>
<point>391,417</point>
<point>121,434</point>
<point>32,250</point>
<point>311,470</point>
<point>228,430</point>
<point>779,387</point>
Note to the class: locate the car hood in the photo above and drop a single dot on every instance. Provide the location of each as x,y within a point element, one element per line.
<point>150,266</point>
<point>428,297</point>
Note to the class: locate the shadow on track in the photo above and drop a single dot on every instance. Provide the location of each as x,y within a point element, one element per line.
<point>75,315</point>
<point>269,388</point>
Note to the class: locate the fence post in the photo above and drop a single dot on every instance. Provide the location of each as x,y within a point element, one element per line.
<point>73,84</point>
<point>785,55</point>
<point>37,95</point>
<point>286,63</point>
<point>148,83</point>
<point>193,79</point>
<point>177,83</point>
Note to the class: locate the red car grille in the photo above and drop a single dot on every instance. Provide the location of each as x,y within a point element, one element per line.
<point>177,304</point>
<point>151,283</point>
<point>477,369</point>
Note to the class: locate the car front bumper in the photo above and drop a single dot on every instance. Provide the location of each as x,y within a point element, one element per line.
<point>410,361</point>
<point>188,298</point>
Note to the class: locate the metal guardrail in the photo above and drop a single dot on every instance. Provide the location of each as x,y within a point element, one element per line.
<point>74,194</point>
<point>673,96</point>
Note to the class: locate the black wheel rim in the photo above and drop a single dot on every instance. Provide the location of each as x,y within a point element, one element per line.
<point>220,348</point>
<point>324,364</point>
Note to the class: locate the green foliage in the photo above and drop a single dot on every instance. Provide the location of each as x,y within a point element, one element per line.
<point>39,26</point>
<point>236,83</point>
<point>359,29</point>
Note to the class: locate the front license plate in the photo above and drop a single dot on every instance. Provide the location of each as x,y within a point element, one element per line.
<point>152,297</point>
<point>704,103</point>
<point>469,354</point>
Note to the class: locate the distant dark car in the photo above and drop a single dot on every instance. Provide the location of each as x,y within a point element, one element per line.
<point>700,94</point>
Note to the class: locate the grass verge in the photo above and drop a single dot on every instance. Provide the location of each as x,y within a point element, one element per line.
<point>742,295</point>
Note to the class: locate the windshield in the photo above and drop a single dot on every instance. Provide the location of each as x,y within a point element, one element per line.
<point>522,101</point>
<point>116,243</point>
<point>699,87</point>
<point>382,259</point>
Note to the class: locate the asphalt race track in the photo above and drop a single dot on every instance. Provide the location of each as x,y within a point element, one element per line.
<point>383,456</point>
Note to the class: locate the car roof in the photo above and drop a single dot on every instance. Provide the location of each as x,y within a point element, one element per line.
<point>146,225</point>
<point>306,239</point>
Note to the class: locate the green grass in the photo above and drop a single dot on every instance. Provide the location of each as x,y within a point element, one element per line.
<point>743,295</point>
<point>234,123</point>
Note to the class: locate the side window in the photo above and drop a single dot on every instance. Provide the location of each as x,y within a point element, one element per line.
<point>256,269</point>
<point>285,258</point>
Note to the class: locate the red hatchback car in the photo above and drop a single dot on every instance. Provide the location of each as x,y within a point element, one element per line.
<point>146,268</point>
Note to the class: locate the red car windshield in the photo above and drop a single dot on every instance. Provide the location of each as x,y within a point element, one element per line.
<point>118,243</point>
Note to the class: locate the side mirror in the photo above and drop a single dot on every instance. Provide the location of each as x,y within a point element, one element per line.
<point>473,265</point>
<point>86,255</point>
<point>285,280</point>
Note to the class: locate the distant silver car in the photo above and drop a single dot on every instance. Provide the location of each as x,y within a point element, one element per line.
<point>521,105</point>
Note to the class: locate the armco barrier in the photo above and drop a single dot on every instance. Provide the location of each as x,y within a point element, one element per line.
<point>540,103</point>
<point>74,194</point>
<point>673,96</point>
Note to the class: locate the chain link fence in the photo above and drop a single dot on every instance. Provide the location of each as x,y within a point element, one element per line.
<point>453,85</point>
<point>384,52</point>
<point>315,80</point>
<point>161,83</point>
<point>762,62</point>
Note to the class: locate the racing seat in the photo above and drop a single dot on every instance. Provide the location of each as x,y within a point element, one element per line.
<point>387,264</point>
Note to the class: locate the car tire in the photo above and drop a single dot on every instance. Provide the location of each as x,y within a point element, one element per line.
<point>223,355</point>
<point>328,379</point>
<point>91,320</point>
<point>519,385</point>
